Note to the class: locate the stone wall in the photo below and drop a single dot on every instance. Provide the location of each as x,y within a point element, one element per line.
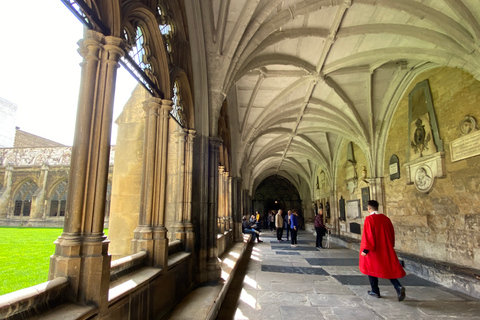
<point>445,223</point>
<point>21,165</point>
<point>127,174</point>
<point>344,173</point>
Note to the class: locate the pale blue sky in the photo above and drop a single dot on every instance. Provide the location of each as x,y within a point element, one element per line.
<point>39,67</point>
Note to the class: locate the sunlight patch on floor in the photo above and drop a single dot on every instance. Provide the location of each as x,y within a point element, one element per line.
<point>248,298</point>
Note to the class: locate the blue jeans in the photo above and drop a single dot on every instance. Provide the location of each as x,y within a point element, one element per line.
<point>251,231</point>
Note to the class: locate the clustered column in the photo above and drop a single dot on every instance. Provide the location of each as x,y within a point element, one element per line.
<point>229,203</point>
<point>7,187</point>
<point>221,200</point>
<point>38,201</point>
<point>151,233</point>
<point>180,184</point>
<point>187,198</point>
<point>81,252</point>
<point>213,267</point>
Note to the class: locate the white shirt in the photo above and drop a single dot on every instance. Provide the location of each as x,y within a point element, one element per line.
<point>375,212</point>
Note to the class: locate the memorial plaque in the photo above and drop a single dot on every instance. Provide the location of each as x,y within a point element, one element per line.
<point>365,198</point>
<point>394,166</point>
<point>355,228</point>
<point>353,209</point>
<point>465,147</point>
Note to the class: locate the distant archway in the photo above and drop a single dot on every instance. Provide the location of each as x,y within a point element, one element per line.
<point>274,193</point>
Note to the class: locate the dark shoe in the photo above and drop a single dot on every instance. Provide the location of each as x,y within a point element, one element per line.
<point>374,294</point>
<point>401,294</point>
<point>259,241</point>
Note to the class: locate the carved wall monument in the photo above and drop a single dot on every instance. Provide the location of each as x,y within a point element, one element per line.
<point>425,155</point>
<point>468,145</point>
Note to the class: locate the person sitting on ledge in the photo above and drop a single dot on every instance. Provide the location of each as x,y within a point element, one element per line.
<point>247,229</point>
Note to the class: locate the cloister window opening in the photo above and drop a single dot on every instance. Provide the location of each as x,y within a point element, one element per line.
<point>166,28</point>
<point>59,200</point>
<point>138,52</point>
<point>23,199</point>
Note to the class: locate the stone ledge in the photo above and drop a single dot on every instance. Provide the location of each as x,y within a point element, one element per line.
<point>455,277</point>
<point>28,300</point>
<point>176,258</point>
<point>125,265</point>
<point>205,301</point>
<point>126,284</point>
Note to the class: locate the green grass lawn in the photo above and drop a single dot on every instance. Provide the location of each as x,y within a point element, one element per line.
<point>25,256</point>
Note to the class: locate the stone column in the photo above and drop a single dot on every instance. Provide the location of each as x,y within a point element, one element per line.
<point>81,252</point>
<point>213,266</point>
<point>38,199</point>
<point>143,234</point>
<point>228,200</point>
<point>187,190</point>
<point>6,191</point>
<point>221,200</point>
<point>151,234</point>
<point>237,211</point>
<point>160,239</point>
<point>180,184</point>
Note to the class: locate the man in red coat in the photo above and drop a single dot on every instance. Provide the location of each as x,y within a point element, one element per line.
<point>377,256</point>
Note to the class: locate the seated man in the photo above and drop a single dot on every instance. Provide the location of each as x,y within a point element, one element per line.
<point>254,223</point>
<point>247,229</point>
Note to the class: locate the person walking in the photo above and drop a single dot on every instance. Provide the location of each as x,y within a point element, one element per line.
<point>378,259</point>
<point>320,229</point>
<point>279,225</point>
<point>271,217</point>
<point>294,227</point>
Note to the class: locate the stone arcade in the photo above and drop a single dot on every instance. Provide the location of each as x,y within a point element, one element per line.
<point>340,101</point>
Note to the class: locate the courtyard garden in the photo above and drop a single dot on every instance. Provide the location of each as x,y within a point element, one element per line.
<point>25,256</point>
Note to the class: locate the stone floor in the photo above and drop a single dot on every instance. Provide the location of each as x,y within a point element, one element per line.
<point>281,282</point>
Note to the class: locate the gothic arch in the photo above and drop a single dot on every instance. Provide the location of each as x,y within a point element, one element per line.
<point>178,75</point>
<point>136,15</point>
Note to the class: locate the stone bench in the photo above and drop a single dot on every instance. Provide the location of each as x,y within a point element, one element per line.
<point>205,300</point>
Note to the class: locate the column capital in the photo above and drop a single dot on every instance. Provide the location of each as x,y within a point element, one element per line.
<point>115,47</point>
<point>221,169</point>
<point>215,142</point>
<point>181,134</point>
<point>191,135</point>
<point>91,44</point>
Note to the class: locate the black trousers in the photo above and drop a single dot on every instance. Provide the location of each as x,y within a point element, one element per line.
<point>279,233</point>
<point>376,289</point>
<point>320,233</point>
<point>294,236</point>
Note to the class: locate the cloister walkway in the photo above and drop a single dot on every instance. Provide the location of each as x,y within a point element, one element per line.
<point>281,282</point>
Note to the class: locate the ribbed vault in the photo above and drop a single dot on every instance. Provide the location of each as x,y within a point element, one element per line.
<point>308,75</point>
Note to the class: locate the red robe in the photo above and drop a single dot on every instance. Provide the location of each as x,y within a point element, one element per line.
<point>379,238</point>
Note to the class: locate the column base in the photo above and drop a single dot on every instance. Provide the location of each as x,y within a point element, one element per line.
<point>86,263</point>
<point>160,248</point>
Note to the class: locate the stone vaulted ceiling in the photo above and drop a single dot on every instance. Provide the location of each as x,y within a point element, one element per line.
<point>303,77</point>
